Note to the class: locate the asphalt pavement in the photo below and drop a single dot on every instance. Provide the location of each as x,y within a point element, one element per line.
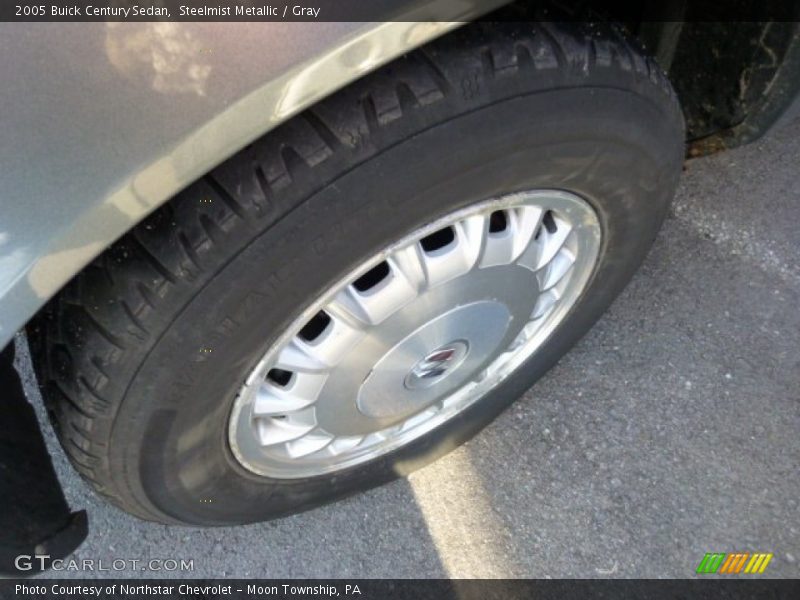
<point>671,430</point>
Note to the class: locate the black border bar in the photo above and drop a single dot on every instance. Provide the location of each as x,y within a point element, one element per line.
<point>380,589</point>
<point>392,10</point>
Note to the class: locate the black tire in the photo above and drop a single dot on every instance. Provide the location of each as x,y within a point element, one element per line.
<point>123,351</point>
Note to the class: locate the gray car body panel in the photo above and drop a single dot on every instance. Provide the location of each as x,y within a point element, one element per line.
<point>101,123</point>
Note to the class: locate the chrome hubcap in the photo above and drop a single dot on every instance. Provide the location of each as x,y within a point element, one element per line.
<point>415,335</point>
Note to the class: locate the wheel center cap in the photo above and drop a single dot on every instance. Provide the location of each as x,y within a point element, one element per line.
<point>404,380</point>
<point>437,365</point>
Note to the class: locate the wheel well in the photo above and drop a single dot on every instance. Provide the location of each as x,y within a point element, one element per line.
<point>733,78</point>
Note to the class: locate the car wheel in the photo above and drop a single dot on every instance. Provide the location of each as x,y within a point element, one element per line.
<point>367,286</point>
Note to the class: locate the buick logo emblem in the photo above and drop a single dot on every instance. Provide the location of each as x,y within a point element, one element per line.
<point>436,365</point>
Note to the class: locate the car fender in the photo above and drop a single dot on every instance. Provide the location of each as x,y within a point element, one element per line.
<point>104,122</point>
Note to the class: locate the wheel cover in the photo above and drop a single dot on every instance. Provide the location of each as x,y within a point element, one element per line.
<point>415,335</point>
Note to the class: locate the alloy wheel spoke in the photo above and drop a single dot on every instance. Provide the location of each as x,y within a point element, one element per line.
<point>471,234</point>
<point>377,304</point>
<point>553,241</point>
<point>333,343</point>
<point>279,431</point>
<point>457,257</point>
<point>347,309</point>
<point>301,392</point>
<point>408,263</point>
<point>555,270</point>
<point>526,221</point>
<point>296,357</point>
<point>269,403</point>
<point>499,248</point>
<point>544,303</point>
<point>546,245</point>
<point>344,443</point>
<point>308,444</point>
